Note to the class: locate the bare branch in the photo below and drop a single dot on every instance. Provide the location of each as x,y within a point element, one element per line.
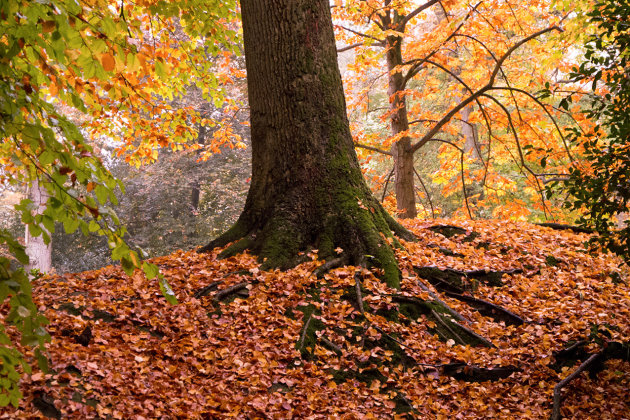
<point>474,96</point>
<point>556,415</point>
<point>349,47</point>
<point>386,184</point>
<point>416,64</point>
<point>372,148</point>
<point>361,34</point>
<point>426,191</point>
<point>539,103</point>
<point>461,166</point>
<point>520,151</point>
<point>514,47</point>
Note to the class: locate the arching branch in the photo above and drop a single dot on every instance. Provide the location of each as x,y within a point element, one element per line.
<point>551,117</point>
<point>361,34</point>
<point>461,162</point>
<point>497,68</point>
<point>349,47</point>
<point>417,63</point>
<point>520,150</point>
<point>400,26</point>
<point>446,118</point>
<point>514,47</point>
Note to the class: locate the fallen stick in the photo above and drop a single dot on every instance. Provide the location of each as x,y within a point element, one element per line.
<point>555,415</point>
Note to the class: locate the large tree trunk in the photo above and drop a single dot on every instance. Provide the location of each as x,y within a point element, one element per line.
<point>39,252</point>
<point>307,190</point>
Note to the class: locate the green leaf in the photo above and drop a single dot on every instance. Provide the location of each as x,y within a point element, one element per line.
<point>102,193</point>
<point>160,70</point>
<point>150,270</point>
<point>127,265</point>
<point>167,292</point>
<point>42,360</point>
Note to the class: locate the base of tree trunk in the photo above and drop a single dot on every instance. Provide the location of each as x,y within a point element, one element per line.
<point>362,236</point>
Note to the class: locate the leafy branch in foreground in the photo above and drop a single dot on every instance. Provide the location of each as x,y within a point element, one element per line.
<point>601,186</point>
<point>67,66</point>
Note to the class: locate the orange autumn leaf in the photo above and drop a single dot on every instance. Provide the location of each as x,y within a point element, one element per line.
<point>108,61</point>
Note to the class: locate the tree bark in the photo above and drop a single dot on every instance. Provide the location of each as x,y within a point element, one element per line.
<point>39,253</point>
<point>307,190</point>
<point>195,193</point>
<point>470,134</point>
<point>399,122</point>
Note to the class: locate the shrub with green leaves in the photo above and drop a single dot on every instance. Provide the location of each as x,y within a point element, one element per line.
<point>602,185</point>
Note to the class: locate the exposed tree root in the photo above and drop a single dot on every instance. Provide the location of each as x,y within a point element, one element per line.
<point>206,290</point>
<point>453,312</point>
<point>489,309</point>
<point>455,281</point>
<point>560,226</point>
<point>468,373</point>
<point>329,265</point>
<point>448,230</point>
<point>364,235</point>
<point>239,288</point>
<point>46,405</point>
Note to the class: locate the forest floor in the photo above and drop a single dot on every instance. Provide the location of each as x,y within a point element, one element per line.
<point>249,343</point>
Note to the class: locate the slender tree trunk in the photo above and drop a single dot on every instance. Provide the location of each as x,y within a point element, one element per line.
<point>307,190</point>
<point>470,134</point>
<point>39,253</point>
<point>403,157</point>
<point>196,186</point>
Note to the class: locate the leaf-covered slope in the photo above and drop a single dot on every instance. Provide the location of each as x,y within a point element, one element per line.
<point>249,343</point>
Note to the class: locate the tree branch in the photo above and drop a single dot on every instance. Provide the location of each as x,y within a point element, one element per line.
<point>400,26</point>
<point>349,47</point>
<point>481,91</point>
<point>426,191</point>
<point>556,415</point>
<point>372,148</point>
<point>387,183</point>
<point>380,41</point>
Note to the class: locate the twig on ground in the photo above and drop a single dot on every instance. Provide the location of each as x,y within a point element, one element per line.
<point>557,396</point>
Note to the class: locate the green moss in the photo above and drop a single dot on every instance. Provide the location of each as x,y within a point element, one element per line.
<point>552,261</point>
<point>235,233</point>
<point>391,315</point>
<point>237,247</point>
<point>364,375</point>
<point>280,245</point>
<point>446,328</point>
<point>325,242</point>
<point>414,310</point>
